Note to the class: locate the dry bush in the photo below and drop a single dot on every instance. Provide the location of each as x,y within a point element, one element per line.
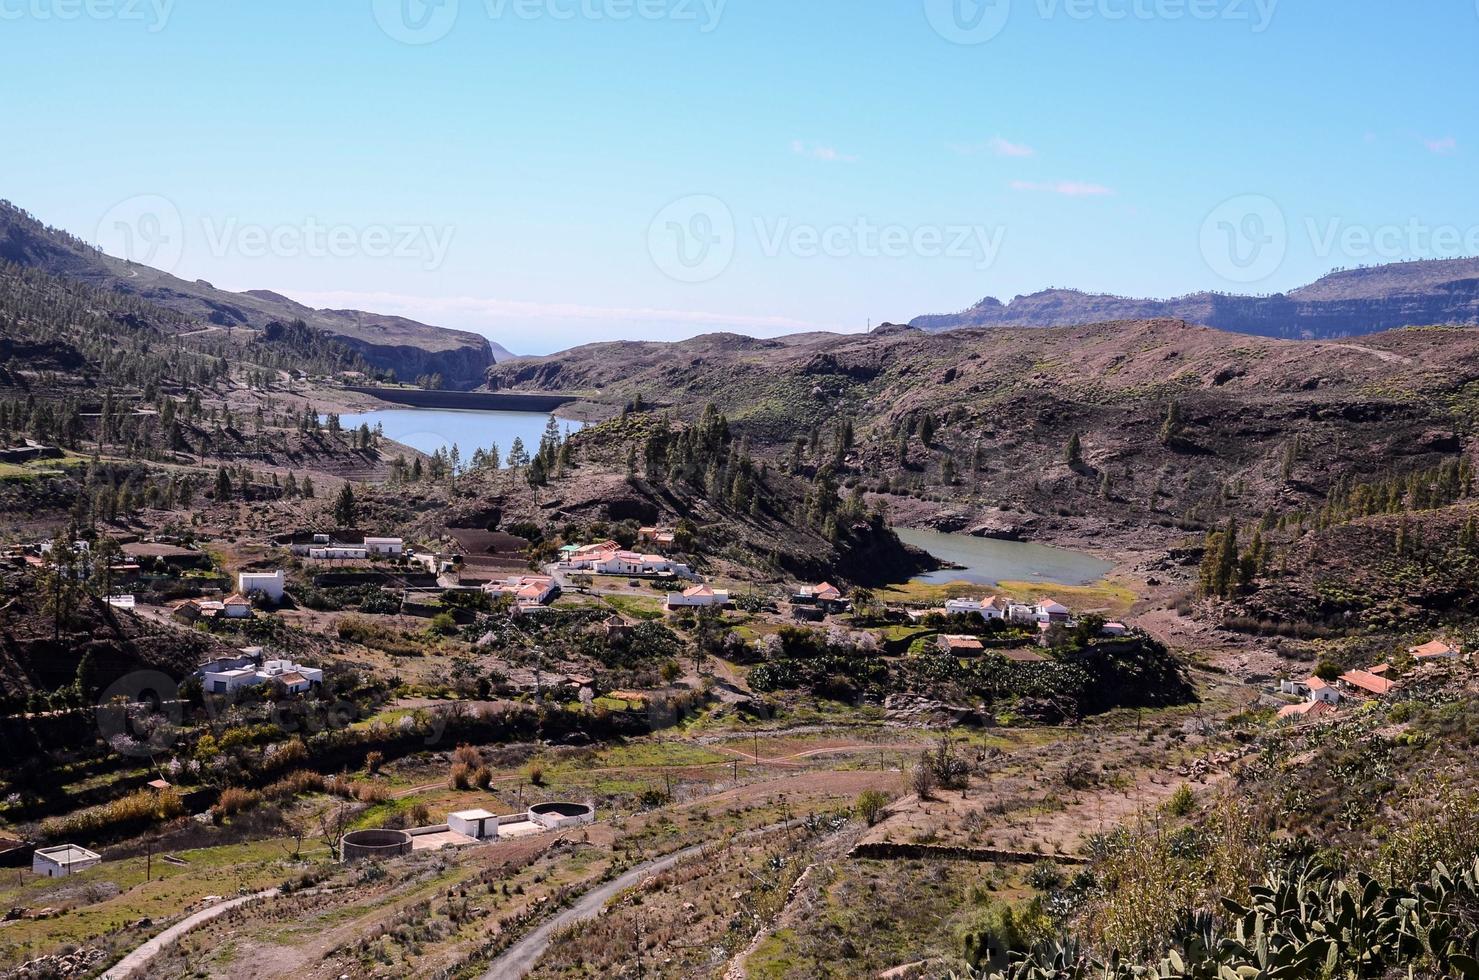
<point>461,777</point>
<point>419,815</point>
<point>136,810</point>
<point>236,800</point>
<point>468,756</point>
<point>373,762</point>
<point>371,793</point>
<point>482,777</point>
<point>536,776</point>
<point>295,784</point>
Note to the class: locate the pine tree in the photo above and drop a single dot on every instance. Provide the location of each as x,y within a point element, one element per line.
<point>223,485</point>
<point>1075,454</point>
<point>346,510</point>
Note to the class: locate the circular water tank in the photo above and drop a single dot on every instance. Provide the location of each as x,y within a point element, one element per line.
<point>553,816</point>
<point>374,845</point>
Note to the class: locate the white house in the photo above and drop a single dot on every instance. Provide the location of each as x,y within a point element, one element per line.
<point>477,824</point>
<point>297,678</point>
<point>236,607</point>
<point>700,596</point>
<point>1114,630</point>
<point>1321,691</point>
<point>1049,611</point>
<point>385,546</point>
<point>233,674</point>
<point>337,552</point>
<point>270,584</point>
<point>609,558</point>
<point>1437,650</point>
<point>526,590</point>
<point>63,860</point>
<point>992,608</point>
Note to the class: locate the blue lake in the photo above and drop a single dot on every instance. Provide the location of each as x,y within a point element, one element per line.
<point>430,429</point>
<point>986,561</point>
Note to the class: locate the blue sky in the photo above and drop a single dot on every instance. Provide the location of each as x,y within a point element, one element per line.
<point>553,172</point>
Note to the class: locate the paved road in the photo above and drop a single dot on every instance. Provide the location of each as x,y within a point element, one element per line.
<point>520,958</point>
<point>140,958</point>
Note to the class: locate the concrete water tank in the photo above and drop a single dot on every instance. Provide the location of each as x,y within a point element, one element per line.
<point>374,845</point>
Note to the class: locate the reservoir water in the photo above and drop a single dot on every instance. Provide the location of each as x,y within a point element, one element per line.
<point>430,429</point>
<point>987,561</point>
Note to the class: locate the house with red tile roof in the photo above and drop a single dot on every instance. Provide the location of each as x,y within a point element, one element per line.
<point>961,646</point>
<point>1366,682</point>
<point>1436,650</point>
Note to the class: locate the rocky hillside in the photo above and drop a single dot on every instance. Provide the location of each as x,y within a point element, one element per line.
<point>1343,304</point>
<point>1177,425</point>
<point>393,343</point>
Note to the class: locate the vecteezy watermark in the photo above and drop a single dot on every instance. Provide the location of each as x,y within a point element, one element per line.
<point>426,21</point>
<point>968,21</point>
<point>865,240</point>
<point>1257,14</point>
<point>416,21</point>
<point>1247,238</point>
<point>149,230</point>
<point>313,239</point>
<point>146,229</point>
<point>695,239</point>
<point>979,21</point>
<point>153,14</point>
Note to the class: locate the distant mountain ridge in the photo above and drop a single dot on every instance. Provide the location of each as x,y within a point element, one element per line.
<point>396,343</point>
<point>1352,302</point>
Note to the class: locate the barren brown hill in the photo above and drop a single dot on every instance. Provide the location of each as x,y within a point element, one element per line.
<point>1349,302</point>
<point>1003,405</point>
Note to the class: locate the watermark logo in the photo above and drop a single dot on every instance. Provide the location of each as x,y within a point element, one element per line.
<point>969,22</point>
<point>1245,239</point>
<point>153,14</point>
<point>1257,14</point>
<point>139,714</point>
<point>314,239</point>
<point>1415,239</point>
<point>692,240</point>
<point>696,238</point>
<point>426,21</point>
<point>865,240</point>
<point>416,21</point>
<point>146,229</point>
<point>149,230</point>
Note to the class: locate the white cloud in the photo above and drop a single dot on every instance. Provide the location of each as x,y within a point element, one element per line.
<point>1067,188</point>
<point>1006,148</point>
<point>997,146</point>
<point>1443,146</point>
<point>816,151</point>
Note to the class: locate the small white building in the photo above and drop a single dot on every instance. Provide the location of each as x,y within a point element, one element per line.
<point>63,860</point>
<point>527,590</point>
<point>236,607</point>
<point>385,546</point>
<point>297,678</point>
<point>1321,691</point>
<point>988,609</point>
<point>698,597</point>
<point>337,552</point>
<point>270,584</point>
<point>477,824</point>
<point>1050,611</point>
<point>231,675</point>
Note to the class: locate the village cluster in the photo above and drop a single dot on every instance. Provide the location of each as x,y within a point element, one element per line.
<point>1323,696</point>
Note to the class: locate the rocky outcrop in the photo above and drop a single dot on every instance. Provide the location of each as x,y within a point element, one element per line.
<point>1350,303</point>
